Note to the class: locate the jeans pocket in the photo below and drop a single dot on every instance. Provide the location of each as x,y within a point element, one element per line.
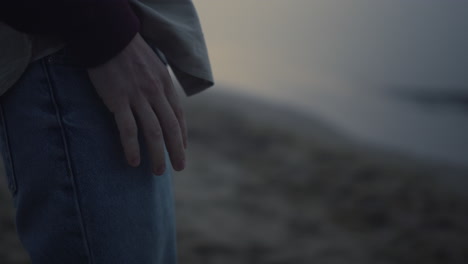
<point>6,153</point>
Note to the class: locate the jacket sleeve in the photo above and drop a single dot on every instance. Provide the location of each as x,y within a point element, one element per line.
<point>93,30</point>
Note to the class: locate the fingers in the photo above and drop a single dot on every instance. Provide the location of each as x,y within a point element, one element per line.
<point>128,134</point>
<point>171,130</point>
<point>173,99</point>
<point>152,131</point>
<point>162,122</point>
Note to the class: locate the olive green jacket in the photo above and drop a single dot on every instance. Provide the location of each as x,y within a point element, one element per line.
<point>173,27</point>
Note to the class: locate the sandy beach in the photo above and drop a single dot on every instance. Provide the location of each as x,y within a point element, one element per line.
<point>267,184</point>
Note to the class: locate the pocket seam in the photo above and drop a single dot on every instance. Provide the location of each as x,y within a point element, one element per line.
<point>8,161</point>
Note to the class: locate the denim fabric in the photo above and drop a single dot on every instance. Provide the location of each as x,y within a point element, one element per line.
<point>77,200</point>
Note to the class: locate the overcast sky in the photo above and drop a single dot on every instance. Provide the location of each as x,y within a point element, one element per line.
<point>260,43</point>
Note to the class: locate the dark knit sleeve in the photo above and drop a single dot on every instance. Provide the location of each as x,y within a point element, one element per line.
<point>94,30</point>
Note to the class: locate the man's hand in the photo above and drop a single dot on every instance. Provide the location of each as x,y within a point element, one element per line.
<point>136,86</point>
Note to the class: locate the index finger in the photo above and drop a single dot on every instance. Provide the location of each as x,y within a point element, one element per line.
<point>128,134</point>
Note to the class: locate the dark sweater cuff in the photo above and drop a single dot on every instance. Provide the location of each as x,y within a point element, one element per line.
<point>108,28</point>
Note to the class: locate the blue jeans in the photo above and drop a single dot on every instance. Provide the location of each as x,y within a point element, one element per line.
<point>77,200</point>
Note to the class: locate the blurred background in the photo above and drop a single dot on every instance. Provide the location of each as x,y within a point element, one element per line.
<point>337,132</point>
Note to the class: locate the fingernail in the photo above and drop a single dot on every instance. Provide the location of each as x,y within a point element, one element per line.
<point>181,164</point>
<point>161,169</point>
<point>135,162</point>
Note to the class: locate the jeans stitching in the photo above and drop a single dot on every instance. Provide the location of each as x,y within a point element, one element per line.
<point>12,178</point>
<point>69,163</point>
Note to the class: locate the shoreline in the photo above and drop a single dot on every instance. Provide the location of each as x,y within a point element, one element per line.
<point>267,111</point>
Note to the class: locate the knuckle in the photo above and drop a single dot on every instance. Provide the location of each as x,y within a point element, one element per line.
<point>173,126</point>
<point>137,96</point>
<point>129,131</point>
<point>153,86</point>
<point>159,168</point>
<point>116,105</point>
<point>155,133</point>
<point>152,91</point>
<point>178,112</point>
